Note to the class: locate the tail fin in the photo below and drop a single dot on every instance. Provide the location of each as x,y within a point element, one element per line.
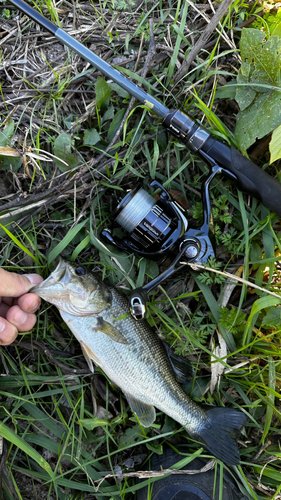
<point>220,432</point>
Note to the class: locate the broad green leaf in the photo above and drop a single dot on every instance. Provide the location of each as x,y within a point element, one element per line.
<point>267,62</point>
<point>103,92</point>
<point>245,94</point>
<point>250,40</point>
<point>152,268</point>
<point>92,423</point>
<point>115,123</point>
<point>66,241</point>
<point>258,119</point>
<point>6,135</point>
<point>119,90</point>
<point>62,149</point>
<point>227,91</point>
<point>109,114</point>
<point>6,162</point>
<point>130,436</point>
<point>257,92</point>
<point>162,141</point>
<point>196,388</point>
<point>13,438</point>
<point>258,306</point>
<point>272,318</point>
<point>275,145</point>
<point>277,30</point>
<point>91,137</point>
<point>261,61</point>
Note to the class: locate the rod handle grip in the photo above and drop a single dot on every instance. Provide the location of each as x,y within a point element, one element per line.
<point>251,178</point>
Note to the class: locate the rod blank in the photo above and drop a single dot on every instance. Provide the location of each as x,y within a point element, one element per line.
<point>157,107</point>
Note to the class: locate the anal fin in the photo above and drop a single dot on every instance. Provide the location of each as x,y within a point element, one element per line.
<point>145,412</point>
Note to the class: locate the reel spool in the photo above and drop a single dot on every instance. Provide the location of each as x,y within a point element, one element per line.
<point>153,226</point>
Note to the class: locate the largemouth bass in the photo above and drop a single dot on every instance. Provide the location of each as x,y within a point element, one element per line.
<point>134,358</point>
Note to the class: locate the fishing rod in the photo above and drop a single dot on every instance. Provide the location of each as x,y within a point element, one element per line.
<point>156,227</point>
<point>250,178</point>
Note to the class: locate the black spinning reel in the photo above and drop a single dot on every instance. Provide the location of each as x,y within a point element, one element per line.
<point>156,227</point>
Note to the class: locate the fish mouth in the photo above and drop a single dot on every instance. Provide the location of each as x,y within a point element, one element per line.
<point>58,278</point>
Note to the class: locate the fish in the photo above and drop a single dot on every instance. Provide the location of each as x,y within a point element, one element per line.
<point>134,358</point>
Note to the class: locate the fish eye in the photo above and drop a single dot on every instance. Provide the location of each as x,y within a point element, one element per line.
<point>80,271</point>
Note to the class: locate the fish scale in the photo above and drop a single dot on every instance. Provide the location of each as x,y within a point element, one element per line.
<point>134,358</point>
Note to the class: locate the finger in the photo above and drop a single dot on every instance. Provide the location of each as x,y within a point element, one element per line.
<point>8,332</point>
<point>9,301</point>
<point>20,319</point>
<point>3,309</point>
<point>15,285</point>
<point>29,302</point>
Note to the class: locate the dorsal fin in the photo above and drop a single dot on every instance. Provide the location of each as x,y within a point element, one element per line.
<point>183,369</point>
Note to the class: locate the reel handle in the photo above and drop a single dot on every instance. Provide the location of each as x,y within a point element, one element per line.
<point>138,297</point>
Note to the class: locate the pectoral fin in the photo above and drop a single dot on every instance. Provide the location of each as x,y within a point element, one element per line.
<point>108,329</point>
<point>146,413</point>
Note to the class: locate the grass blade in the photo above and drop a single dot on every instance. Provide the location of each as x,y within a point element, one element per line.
<point>16,440</point>
<point>19,244</point>
<point>66,241</point>
<point>271,398</point>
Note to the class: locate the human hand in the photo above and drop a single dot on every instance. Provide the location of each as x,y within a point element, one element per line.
<point>17,307</point>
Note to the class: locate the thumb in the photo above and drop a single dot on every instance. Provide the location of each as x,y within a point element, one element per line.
<point>15,285</point>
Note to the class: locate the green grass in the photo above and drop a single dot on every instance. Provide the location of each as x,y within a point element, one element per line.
<point>66,430</point>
